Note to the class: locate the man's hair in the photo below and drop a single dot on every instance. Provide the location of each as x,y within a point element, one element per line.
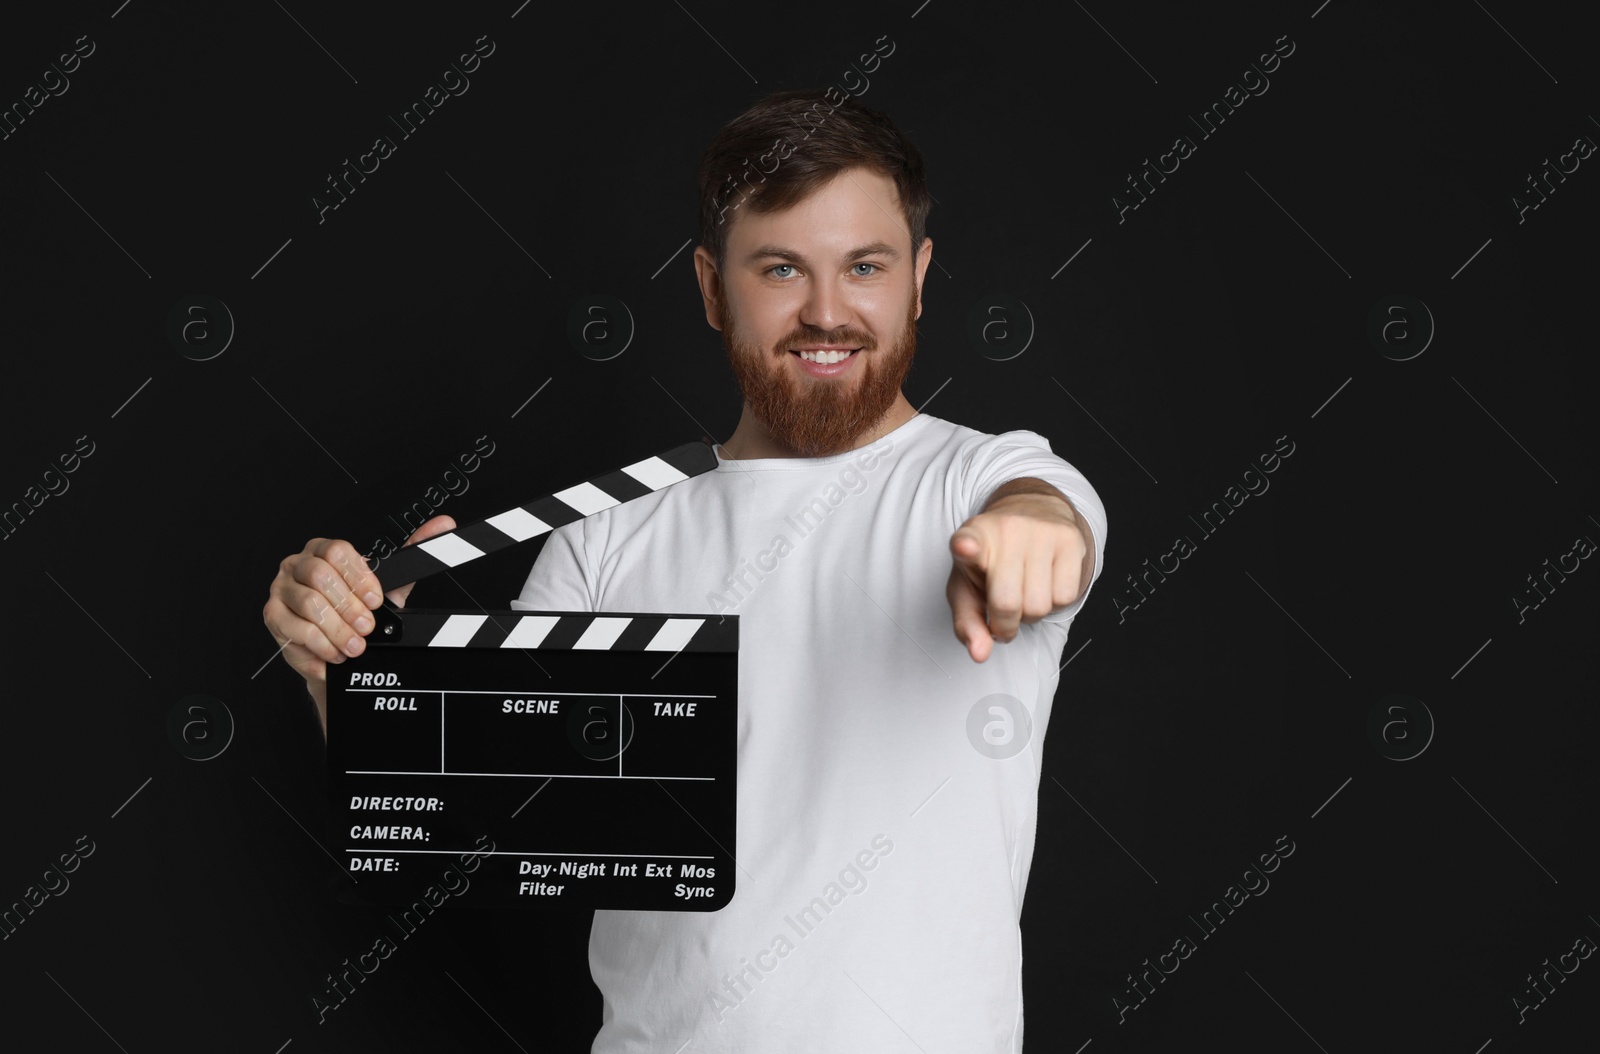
<point>788,145</point>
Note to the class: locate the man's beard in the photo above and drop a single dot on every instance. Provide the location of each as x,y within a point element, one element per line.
<point>818,417</point>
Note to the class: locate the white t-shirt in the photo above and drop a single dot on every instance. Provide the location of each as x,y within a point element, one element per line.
<point>882,855</point>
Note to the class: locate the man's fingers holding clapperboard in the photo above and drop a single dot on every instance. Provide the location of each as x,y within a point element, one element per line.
<point>319,602</point>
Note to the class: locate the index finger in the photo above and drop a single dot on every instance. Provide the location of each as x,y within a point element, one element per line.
<point>358,577</point>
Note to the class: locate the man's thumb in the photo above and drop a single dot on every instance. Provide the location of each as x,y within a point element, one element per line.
<point>434,527</point>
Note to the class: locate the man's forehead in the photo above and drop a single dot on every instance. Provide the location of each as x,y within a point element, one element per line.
<point>858,208</point>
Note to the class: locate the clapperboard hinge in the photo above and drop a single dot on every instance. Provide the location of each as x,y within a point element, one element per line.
<point>442,629</point>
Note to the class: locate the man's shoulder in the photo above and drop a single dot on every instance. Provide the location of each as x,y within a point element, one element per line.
<point>935,434</point>
<point>961,439</point>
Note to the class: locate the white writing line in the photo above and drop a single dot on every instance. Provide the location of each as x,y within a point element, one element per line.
<point>509,852</point>
<point>486,691</point>
<point>528,775</point>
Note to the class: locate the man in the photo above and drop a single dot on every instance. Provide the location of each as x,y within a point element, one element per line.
<point>888,767</point>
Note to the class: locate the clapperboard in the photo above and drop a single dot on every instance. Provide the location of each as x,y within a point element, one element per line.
<point>596,752</point>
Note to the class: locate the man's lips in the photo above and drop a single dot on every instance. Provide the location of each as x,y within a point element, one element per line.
<point>844,361</point>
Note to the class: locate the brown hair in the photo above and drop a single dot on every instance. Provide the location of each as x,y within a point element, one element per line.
<point>789,144</point>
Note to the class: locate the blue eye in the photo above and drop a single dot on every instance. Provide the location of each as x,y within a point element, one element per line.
<point>875,268</point>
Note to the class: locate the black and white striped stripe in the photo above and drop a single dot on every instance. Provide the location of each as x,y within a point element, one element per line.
<point>567,631</point>
<point>465,544</point>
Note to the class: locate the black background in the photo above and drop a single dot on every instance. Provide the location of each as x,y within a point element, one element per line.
<point>1228,310</point>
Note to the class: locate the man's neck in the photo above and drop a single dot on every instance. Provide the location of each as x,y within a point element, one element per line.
<point>752,440</point>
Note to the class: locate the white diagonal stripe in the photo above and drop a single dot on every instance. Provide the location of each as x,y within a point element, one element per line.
<point>456,631</point>
<point>602,633</point>
<point>518,523</point>
<point>586,498</point>
<point>450,548</point>
<point>654,473</point>
<point>674,634</point>
<point>530,630</point>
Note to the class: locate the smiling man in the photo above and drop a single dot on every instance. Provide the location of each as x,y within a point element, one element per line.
<point>904,585</point>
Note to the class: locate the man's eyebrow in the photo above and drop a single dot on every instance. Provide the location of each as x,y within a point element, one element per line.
<point>778,252</point>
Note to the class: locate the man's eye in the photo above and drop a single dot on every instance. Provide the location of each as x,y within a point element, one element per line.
<point>777,267</point>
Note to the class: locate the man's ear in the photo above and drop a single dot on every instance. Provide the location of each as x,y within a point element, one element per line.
<point>711,291</point>
<point>924,256</point>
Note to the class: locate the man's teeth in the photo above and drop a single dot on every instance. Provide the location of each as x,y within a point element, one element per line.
<point>825,357</point>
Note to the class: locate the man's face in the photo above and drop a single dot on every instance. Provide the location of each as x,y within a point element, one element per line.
<point>836,269</point>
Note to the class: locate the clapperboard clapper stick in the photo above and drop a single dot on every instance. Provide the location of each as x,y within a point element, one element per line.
<point>546,759</point>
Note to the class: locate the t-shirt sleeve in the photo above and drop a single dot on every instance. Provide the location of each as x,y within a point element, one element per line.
<point>559,580</point>
<point>998,459</point>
